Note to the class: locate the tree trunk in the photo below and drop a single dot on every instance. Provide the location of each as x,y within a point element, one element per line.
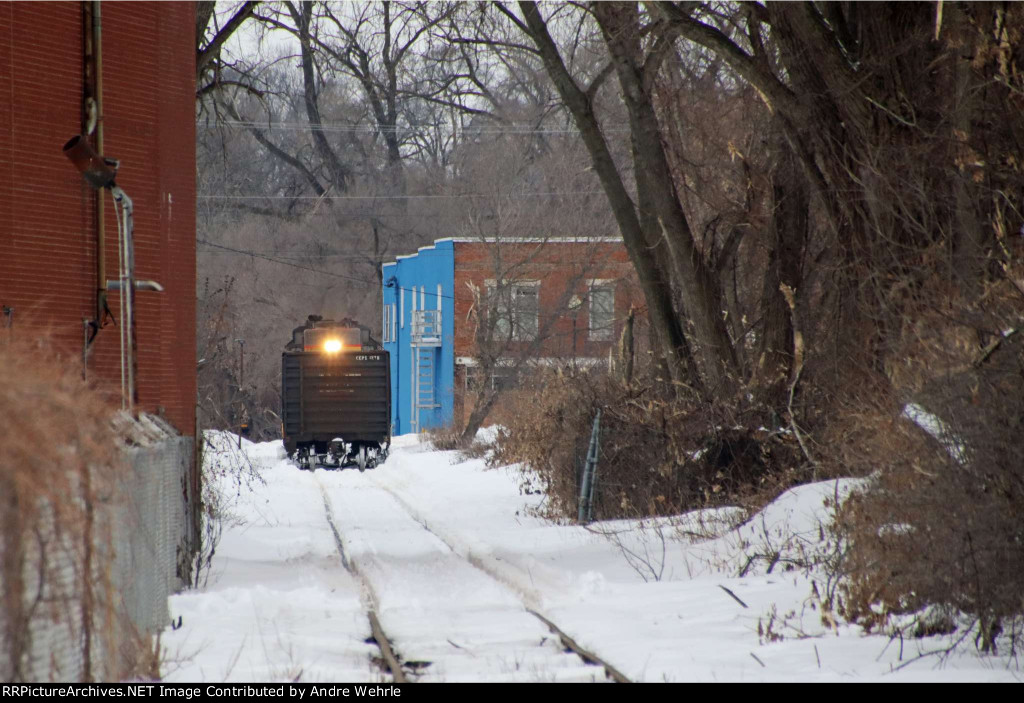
<point>654,279</point>
<point>303,19</point>
<point>482,407</point>
<point>626,350</point>
<point>659,202</point>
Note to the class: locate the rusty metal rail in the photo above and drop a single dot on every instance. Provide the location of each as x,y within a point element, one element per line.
<point>584,654</point>
<point>388,654</point>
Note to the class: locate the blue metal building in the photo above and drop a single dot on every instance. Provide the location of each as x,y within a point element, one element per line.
<point>418,332</point>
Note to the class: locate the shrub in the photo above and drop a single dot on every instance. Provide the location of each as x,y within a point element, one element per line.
<point>60,471</point>
<point>659,455</point>
<point>448,439</point>
<point>941,525</point>
<point>444,439</point>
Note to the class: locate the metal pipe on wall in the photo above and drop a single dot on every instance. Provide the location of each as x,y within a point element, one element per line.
<point>101,202</point>
<point>92,120</point>
<point>126,248</point>
<point>92,125</point>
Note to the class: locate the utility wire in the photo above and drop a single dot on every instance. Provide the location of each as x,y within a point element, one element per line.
<point>375,129</point>
<point>215,196</point>
<point>285,256</point>
<point>265,257</point>
<point>257,255</point>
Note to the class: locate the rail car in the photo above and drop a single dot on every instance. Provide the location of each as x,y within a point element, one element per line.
<point>335,396</point>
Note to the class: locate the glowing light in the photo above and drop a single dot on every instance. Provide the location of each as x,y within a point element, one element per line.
<point>332,345</point>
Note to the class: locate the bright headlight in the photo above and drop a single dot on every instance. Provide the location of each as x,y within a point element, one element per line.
<point>332,345</point>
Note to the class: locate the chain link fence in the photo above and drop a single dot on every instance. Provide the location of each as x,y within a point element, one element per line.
<point>86,578</point>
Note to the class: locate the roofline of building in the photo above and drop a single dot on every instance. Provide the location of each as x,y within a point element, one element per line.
<point>529,240</point>
<point>506,240</point>
<point>545,361</point>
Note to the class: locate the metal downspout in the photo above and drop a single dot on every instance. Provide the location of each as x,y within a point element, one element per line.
<point>93,126</point>
<point>101,198</point>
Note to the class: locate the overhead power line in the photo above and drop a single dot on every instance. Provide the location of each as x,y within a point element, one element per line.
<point>216,196</point>
<point>292,264</point>
<point>257,255</point>
<point>374,129</point>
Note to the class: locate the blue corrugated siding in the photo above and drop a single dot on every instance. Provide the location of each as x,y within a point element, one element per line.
<point>421,273</point>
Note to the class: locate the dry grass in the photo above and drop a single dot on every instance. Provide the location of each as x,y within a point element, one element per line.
<point>659,455</point>
<point>444,439</point>
<point>59,468</point>
<point>448,439</point>
<point>940,529</point>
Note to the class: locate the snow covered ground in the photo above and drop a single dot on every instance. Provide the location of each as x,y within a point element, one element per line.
<point>450,555</point>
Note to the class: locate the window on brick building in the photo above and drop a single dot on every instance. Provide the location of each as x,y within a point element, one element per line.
<point>602,311</point>
<point>501,378</point>
<point>516,307</point>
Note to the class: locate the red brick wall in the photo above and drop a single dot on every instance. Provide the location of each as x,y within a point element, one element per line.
<point>557,265</point>
<point>47,219</point>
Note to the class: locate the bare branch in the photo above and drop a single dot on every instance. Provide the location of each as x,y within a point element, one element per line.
<point>207,54</point>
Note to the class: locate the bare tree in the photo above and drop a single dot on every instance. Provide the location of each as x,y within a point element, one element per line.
<point>213,29</point>
<point>519,309</point>
<point>654,277</point>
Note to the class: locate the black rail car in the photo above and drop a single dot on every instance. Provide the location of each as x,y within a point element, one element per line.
<point>336,396</point>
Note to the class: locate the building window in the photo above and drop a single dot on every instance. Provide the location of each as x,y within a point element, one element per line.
<point>602,311</point>
<point>501,378</point>
<point>389,329</point>
<point>515,305</point>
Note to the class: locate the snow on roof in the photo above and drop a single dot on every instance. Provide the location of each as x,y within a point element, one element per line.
<point>508,240</point>
<point>532,240</point>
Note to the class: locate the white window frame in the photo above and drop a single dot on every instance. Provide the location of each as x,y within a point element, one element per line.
<point>389,323</point>
<point>601,330</point>
<point>512,316</point>
<point>412,317</point>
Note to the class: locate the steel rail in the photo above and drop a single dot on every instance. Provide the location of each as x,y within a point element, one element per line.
<point>380,638</point>
<point>586,655</point>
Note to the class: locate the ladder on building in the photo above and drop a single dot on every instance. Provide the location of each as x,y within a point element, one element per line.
<point>426,338</point>
<point>425,396</point>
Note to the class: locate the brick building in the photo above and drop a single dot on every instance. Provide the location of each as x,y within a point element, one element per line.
<point>133,93</point>
<point>123,75</point>
<point>555,300</point>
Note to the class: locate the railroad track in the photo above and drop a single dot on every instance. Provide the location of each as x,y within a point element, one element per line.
<point>389,660</point>
<point>404,671</point>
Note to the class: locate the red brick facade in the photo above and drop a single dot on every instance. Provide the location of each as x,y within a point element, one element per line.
<point>48,238</point>
<point>558,265</point>
<point>563,268</point>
